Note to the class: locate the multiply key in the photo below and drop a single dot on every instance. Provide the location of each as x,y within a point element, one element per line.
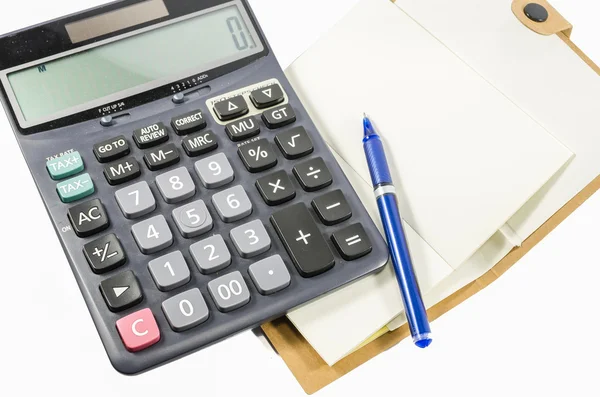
<point>151,135</point>
<point>303,240</point>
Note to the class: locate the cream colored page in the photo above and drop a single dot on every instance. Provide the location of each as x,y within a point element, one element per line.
<point>484,259</point>
<point>336,323</point>
<point>464,158</point>
<point>540,74</point>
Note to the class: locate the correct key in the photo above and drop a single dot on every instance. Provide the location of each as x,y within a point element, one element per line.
<point>303,241</point>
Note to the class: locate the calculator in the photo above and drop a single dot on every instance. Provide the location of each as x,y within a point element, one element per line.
<point>192,194</point>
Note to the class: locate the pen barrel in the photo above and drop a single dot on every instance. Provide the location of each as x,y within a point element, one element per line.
<point>416,314</point>
<point>376,159</point>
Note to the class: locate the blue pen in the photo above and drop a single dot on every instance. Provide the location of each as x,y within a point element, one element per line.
<point>387,203</point>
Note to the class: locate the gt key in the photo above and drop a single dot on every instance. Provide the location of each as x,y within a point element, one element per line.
<point>303,240</point>
<point>279,116</point>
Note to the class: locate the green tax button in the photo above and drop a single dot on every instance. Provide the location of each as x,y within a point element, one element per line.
<point>65,165</point>
<point>75,188</point>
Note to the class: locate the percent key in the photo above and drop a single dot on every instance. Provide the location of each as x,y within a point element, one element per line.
<point>258,156</point>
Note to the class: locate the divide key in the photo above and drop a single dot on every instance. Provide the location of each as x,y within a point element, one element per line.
<point>150,135</point>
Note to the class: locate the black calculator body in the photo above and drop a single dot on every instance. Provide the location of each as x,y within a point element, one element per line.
<point>191,192</point>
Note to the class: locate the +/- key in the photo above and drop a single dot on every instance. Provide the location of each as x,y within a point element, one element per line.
<point>303,241</point>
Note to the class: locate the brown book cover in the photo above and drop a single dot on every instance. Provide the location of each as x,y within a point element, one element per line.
<point>305,363</point>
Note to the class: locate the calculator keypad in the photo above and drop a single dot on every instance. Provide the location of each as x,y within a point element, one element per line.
<point>208,230</point>
<point>121,291</point>
<point>111,149</point>
<point>162,157</point>
<point>303,240</point>
<point>122,171</point>
<point>211,254</point>
<point>232,204</point>
<point>176,186</point>
<point>231,108</point>
<point>170,271</point>
<point>75,188</point>
<point>65,166</point>
<point>267,96</point>
<point>250,239</point>
<point>193,219</point>
<point>270,275</point>
<point>294,143</point>
<point>139,330</point>
<point>276,188</point>
<point>135,200</point>
<point>279,117</point>
<point>332,208</point>
<point>188,122</point>
<point>313,174</point>
<point>199,143</point>
<point>242,129</point>
<point>152,235</point>
<point>150,135</point>
<point>229,292</point>
<point>104,254</point>
<point>88,218</point>
<point>214,171</point>
<point>186,310</point>
<point>352,242</point>
<point>258,155</point>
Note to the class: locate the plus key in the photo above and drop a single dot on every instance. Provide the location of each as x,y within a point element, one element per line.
<point>303,240</point>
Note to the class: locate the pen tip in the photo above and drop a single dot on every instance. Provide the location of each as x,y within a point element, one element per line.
<point>364,115</point>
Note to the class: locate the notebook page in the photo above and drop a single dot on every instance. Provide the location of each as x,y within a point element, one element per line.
<point>463,157</point>
<point>549,82</point>
<point>329,323</point>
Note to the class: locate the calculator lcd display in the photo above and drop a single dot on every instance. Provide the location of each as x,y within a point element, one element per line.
<point>134,64</point>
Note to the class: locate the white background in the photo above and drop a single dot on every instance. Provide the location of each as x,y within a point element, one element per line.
<point>534,331</point>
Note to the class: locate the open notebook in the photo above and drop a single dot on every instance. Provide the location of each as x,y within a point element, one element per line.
<point>473,164</point>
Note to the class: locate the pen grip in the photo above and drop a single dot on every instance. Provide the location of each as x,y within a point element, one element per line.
<point>377,161</point>
<point>416,314</point>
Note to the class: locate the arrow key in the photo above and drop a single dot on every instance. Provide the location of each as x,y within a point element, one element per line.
<point>121,291</point>
<point>294,143</point>
<point>231,108</point>
<point>267,96</point>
